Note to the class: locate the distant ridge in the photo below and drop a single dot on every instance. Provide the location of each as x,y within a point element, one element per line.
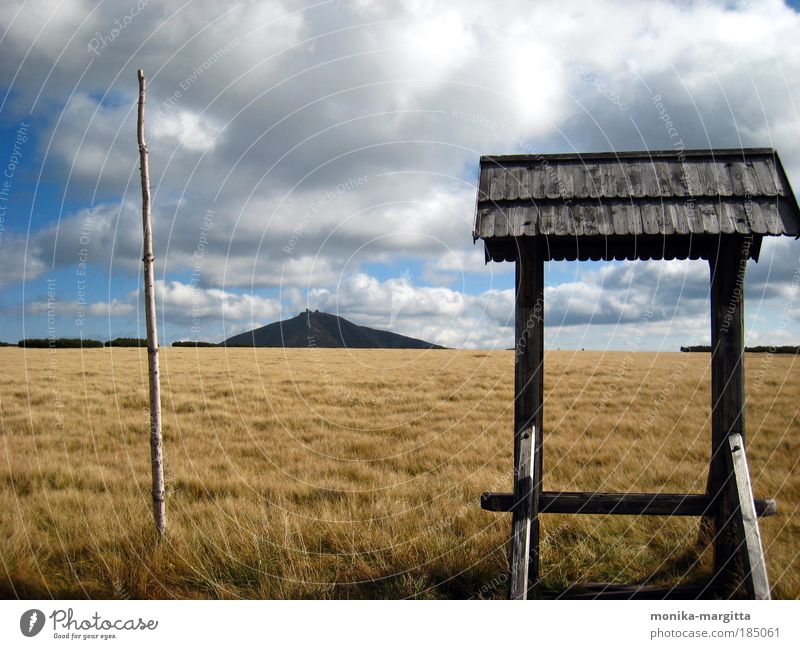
<point>324,330</point>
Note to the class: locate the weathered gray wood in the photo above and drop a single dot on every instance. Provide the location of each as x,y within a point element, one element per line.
<point>692,216</point>
<point>740,181</point>
<point>156,441</point>
<point>664,177</point>
<point>764,177</point>
<point>528,415</point>
<point>594,180</point>
<point>727,397</point>
<point>501,221</point>
<point>621,504</point>
<point>547,218</point>
<point>580,181</point>
<point>708,216</point>
<point>755,217</point>
<point>633,174</point>
<point>623,591</point>
<point>756,582</point>
<point>652,188</point>
<point>513,182</point>
<point>694,183</point>
<point>722,177</point>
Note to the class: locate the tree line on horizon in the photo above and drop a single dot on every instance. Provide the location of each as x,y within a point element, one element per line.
<point>758,349</point>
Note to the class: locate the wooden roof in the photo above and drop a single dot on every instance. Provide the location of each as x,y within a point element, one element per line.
<point>634,205</point>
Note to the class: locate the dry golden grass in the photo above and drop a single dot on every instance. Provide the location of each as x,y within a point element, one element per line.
<point>329,473</point>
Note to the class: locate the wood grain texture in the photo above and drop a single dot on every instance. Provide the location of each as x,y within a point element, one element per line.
<point>727,401</point>
<point>621,504</point>
<point>756,583</point>
<point>528,416</point>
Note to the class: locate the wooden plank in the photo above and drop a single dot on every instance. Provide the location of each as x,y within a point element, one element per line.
<point>530,222</point>
<point>765,180</point>
<point>528,402</point>
<point>740,182</point>
<point>551,186</point>
<point>619,219</point>
<point>692,216</point>
<point>772,166</point>
<point>580,181</point>
<point>594,179</point>
<point>726,223</point>
<point>561,216</point>
<point>497,185</point>
<point>486,221</point>
<point>738,215</point>
<point>755,217</point>
<point>678,182</point>
<point>547,218</point>
<point>525,183</point>
<point>649,218</point>
<point>650,185</point>
<point>605,222</point>
<point>589,219</point>
<point>621,591</point>
<point>727,397</point>
<point>483,184</point>
<point>664,177</point>
<point>620,504</point>
<point>708,215</point>
<point>678,218</point>
<point>722,177</point>
<point>565,179</point>
<point>634,179</point>
<point>512,183</point>
<point>518,215</point>
<point>752,553</point>
<point>772,220</point>
<point>501,221</point>
<point>538,179</point>
<point>694,182</point>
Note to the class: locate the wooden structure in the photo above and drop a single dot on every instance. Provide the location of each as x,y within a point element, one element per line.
<point>714,205</point>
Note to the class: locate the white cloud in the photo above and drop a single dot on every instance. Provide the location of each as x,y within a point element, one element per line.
<point>405,94</point>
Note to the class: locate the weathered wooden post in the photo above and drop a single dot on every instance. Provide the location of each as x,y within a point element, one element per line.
<point>528,416</point>
<point>156,443</point>
<point>731,539</point>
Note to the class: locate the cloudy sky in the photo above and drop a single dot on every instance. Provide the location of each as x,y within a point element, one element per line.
<point>323,155</point>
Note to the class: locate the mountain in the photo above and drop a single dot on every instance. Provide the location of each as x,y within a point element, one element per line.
<point>317,329</point>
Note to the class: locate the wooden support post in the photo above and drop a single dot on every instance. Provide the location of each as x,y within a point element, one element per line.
<point>756,582</point>
<point>727,400</point>
<point>528,416</point>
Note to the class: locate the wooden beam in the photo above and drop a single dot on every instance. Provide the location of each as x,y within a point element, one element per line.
<point>727,398</point>
<point>624,504</point>
<point>751,552</point>
<point>621,591</point>
<point>528,398</point>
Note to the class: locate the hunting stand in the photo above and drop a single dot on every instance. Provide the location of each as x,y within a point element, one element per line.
<point>705,204</point>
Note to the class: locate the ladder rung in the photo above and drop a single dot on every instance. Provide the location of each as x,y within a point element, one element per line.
<point>629,504</point>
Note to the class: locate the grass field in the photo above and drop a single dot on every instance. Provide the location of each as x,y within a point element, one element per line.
<point>320,473</point>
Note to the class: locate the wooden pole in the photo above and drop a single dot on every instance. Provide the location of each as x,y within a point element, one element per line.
<point>727,401</point>
<point>528,415</point>
<point>156,444</point>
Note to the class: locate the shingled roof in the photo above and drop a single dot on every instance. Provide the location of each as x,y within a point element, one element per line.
<point>634,205</point>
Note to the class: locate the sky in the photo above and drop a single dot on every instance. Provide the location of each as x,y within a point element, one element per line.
<point>324,155</point>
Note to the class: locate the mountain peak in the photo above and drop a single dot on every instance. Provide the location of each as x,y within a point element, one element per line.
<point>317,329</point>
